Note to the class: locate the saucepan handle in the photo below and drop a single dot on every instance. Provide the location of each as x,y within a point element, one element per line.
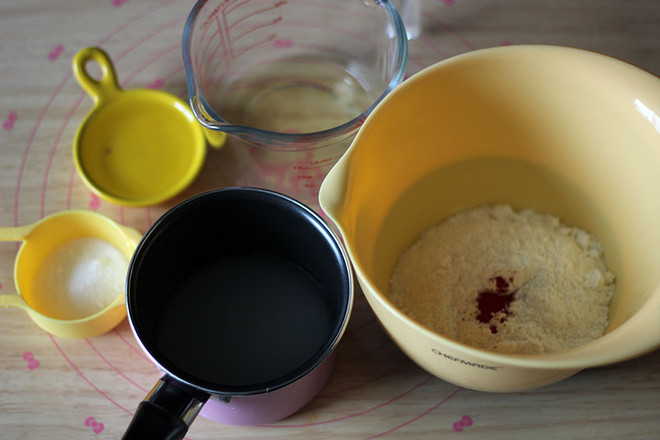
<point>166,412</point>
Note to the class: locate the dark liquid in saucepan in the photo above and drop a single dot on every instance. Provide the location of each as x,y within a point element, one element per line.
<point>244,321</point>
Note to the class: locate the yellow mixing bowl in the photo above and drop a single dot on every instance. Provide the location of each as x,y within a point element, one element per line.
<point>563,131</point>
<point>39,240</point>
<point>136,147</point>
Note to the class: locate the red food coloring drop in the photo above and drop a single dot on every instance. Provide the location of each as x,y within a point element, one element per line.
<point>501,285</point>
<point>494,301</point>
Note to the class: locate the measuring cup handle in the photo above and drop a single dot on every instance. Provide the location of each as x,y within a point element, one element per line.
<point>96,89</point>
<point>16,233</point>
<point>14,301</point>
<point>166,412</point>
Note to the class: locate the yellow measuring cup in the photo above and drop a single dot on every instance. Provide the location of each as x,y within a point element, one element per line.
<point>136,147</point>
<point>41,239</point>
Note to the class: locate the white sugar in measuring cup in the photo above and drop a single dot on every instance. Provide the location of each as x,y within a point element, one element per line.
<point>43,238</point>
<point>291,82</point>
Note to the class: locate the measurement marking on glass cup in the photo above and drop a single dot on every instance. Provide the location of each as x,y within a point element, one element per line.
<point>225,30</point>
<point>265,41</point>
<point>315,165</point>
<point>219,17</point>
<point>265,9</point>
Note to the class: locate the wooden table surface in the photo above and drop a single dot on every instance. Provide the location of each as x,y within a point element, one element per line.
<point>52,387</point>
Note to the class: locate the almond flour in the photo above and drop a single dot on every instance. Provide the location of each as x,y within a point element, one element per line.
<point>506,281</point>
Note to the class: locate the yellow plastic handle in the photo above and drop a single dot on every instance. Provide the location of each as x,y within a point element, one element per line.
<point>14,301</point>
<point>100,89</point>
<point>16,233</point>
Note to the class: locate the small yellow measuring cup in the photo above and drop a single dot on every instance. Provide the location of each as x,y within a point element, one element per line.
<point>136,147</point>
<point>40,239</point>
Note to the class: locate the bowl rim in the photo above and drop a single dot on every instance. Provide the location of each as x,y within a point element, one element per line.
<point>591,354</point>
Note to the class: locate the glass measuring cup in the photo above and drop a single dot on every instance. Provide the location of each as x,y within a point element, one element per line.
<point>290,81</point>
<point>43,238</point>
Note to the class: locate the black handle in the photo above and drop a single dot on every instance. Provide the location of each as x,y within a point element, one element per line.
<point>166,412</point>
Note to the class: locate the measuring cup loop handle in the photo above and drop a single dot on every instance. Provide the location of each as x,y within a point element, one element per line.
<point>11,300</point>
<point>100,89</point>
<point>166,412</point>
<point>16,233</point>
